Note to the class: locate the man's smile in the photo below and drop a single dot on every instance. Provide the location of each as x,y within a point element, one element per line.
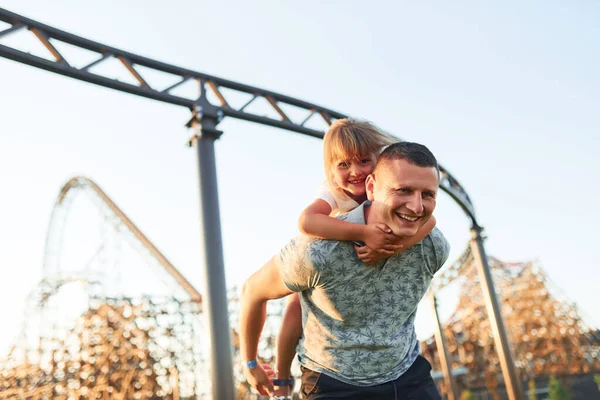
<point>409,218</point>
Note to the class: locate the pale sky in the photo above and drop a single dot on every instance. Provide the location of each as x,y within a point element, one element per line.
<point>505,94</point>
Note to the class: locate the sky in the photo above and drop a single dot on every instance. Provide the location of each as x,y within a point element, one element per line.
<point>505,94</point>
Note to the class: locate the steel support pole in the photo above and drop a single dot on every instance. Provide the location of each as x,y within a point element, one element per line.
<point>509,370</point>
<point>440,342</point>
<point>214,295</point>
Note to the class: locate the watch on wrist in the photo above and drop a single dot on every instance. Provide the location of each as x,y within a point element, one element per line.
<point>284,382</point>
<point>250,364</point>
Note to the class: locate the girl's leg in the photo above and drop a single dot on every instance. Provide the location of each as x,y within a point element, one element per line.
<point>289,334</point>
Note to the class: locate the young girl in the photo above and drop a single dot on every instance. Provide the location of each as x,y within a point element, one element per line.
<point>350,149</point>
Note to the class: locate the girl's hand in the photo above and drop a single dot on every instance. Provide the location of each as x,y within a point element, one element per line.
<point>370,256</point>
<point>379,238</point>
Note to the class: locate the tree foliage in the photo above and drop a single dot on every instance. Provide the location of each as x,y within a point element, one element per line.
<point>531,392</point>
<point>556,391</point>
<point>467,395</point>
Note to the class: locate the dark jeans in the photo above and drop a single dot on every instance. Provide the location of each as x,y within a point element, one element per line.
<point>415,384</point>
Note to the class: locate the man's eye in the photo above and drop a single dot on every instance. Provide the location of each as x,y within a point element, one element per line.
<point>403,191</point>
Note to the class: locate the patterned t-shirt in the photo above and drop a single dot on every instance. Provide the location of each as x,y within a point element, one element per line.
<point>358,320</point>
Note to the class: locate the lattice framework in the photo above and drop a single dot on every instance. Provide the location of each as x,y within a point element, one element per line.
<point>548,334</point>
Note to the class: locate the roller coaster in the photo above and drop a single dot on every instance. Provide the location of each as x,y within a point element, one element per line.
<point>43,365</point>
<point>125,344</point>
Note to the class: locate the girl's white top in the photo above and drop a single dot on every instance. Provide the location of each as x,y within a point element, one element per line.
<point>339,204</point>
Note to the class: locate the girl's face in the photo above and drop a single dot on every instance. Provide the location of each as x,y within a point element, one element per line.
<point>350,175</point>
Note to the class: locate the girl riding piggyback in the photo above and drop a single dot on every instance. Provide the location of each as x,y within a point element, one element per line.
<point>350,151</point>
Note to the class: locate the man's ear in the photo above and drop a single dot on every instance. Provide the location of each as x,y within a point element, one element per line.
<point>370,186</point>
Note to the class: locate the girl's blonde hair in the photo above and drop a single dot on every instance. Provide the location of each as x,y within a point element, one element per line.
<point>349,139</point>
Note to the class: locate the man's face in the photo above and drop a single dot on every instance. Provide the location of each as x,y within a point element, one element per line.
<point>403,196</point>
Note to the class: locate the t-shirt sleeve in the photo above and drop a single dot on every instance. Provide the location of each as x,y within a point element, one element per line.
<point>295,265</point>
<point>437,250</point>
<point>324,193</point>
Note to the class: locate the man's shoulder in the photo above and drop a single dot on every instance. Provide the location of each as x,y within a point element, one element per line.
<point>440,243</point>
<point>327,246</point>
<point>297,246</point>
<point>437,236</point>
<point>317,251</point>
<point>436,247</point>
<point>356,215</point>
<point>323,253</point>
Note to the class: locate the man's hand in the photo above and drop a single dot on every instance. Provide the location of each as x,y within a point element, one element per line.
<point>370,256</point>
<point>259,378</point>
<point>282,391</point>
<point>379,238</point>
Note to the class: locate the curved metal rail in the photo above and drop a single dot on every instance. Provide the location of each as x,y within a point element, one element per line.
<point>207,85</point>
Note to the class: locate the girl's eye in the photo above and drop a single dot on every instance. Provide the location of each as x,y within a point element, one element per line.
<point>343,165</point>
<point>365,160</point>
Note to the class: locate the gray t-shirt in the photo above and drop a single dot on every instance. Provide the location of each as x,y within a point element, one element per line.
<point>358,319</point>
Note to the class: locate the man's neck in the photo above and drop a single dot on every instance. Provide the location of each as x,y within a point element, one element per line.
<point>369,214</point>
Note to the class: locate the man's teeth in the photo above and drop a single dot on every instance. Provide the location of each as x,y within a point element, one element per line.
<point>408,218</point>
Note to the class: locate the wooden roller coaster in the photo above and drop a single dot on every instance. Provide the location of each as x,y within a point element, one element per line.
<point>548,334</point>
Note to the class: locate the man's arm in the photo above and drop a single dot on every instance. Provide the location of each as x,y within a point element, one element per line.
<point>265,284</point>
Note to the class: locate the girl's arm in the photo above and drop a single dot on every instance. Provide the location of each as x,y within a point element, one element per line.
<point>316,222</point>
<point>420,235</point>
<point>370,256</point>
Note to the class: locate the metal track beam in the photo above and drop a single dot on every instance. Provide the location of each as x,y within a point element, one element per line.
<point>207,84</point>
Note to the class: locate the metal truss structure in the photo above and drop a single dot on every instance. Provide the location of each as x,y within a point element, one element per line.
<point>214,99</point>
<point>548,333</point>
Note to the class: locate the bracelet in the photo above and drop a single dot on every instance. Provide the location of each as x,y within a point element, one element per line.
<point>284,382</point>
<point>250,364</point>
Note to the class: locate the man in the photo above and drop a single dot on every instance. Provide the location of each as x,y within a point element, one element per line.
<point>359,340</point>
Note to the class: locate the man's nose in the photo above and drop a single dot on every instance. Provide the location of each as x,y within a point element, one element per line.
<point>416,204</point>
